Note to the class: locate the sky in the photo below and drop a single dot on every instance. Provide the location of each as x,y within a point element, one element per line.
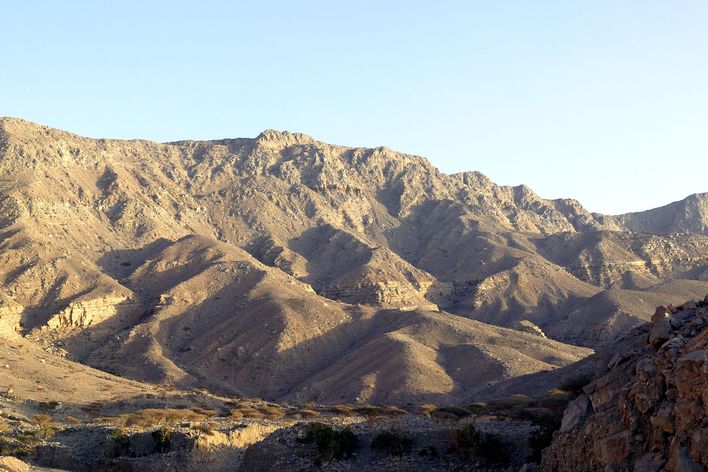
<point>602,101</point>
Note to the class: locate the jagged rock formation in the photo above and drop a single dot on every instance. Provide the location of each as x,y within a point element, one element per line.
<point>174,262</point>
<point>689,215</point>
<point>646,411</point>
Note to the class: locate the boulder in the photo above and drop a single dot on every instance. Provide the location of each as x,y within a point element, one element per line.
<point>575,413</point>
<point>661,325</point>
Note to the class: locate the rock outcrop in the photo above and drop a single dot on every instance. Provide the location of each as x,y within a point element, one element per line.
<point>646,411</point>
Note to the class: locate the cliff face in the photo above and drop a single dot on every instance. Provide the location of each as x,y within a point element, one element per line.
<point>647,410</point>
<point>689,215</point>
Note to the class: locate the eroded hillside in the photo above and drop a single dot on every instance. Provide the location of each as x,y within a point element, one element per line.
<point>284,267</point>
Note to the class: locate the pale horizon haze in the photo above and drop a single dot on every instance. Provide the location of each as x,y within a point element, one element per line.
<point>605,102</point>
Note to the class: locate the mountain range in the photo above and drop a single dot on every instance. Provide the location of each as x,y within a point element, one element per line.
<point>290,269</point>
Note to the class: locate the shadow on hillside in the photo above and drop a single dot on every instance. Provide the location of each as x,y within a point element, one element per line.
<point>120,263</point>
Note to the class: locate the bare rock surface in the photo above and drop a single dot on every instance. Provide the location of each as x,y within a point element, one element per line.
<point>646,411</point>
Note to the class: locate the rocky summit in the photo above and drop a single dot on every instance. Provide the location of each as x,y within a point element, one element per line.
<point>242,301</point>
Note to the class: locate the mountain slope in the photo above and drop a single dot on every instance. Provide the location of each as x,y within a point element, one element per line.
<point>689,215</point>
<point>161,261</point>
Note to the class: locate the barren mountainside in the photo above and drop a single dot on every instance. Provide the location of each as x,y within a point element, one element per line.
<point>287,268</point>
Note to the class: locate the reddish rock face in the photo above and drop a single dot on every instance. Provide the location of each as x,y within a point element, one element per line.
<point>647,410</point>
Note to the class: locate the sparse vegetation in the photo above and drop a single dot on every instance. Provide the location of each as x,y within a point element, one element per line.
<point>473,443</point>
<point>208,412</point>
<point>369,410</point>
<point>45,426</point>
<point>19,446</point>
<point>150,417</point>
<point>306,413</point>
<point>542,437</point>
<point>451,412</point>
<point>72,420</point>
<point>393,442</point>
<point>206,430</point>
<point>272,412</point>
<point>162,438</point>
<point>468,439</point>
<point>343,410</point>
<point>119,436</point>
<point>394,411</point>
<point>493,450</point>
<point>50,405</point>
<point>331,444</point>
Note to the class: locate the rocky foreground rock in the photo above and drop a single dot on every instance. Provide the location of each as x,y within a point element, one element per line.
<point>646,411</point>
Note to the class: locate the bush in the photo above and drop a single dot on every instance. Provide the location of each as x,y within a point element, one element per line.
<point>119,436</point>
<point>330,443</point>
<point>206,430</point>
<point>45,424</point>
<point>162,439</point>
<point>451,412</point>
<point>272,412</point>
<point>342,410</point>
<point>149,417</point>
<point>542,437</point>
<point>307,413</point>
<point>493,450</point>
<point>489,447</point>
<point>468,439</point>
<point>394,411</point>
<point>20,447</point>
<point>246,412</point>
<point>370,410</point>
<point>50,405</point>
<point>208,412</point>
<point>393,442</point>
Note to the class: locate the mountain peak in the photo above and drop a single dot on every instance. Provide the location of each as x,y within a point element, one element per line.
<point>273,136</point>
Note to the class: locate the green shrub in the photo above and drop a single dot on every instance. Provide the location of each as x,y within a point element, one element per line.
<point>393,442</point>
<point>330,443</point>
<point>468,439</point>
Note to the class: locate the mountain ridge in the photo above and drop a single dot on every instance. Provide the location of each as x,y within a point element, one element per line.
<point>360,236</point>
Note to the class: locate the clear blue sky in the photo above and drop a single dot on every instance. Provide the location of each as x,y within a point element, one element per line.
<point>603,101</point>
